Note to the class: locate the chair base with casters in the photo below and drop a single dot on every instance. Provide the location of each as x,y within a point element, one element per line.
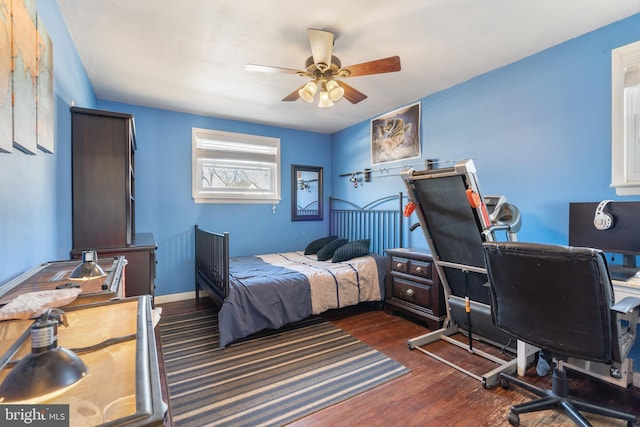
<point>568,291</point>
<point>558,398</point>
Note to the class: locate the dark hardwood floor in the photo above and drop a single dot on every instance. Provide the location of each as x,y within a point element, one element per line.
<point>433,394</point>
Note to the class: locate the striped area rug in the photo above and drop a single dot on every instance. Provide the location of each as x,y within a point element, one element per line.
<point>266,380</point>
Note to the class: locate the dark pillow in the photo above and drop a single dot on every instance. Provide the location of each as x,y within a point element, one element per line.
<point>351,250</point>
<point>316,245</point>
<point>328,250</point>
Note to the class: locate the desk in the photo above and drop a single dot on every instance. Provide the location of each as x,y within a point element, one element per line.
<point>627,288</point>
<point>124,375</point>
<point>51,274</point>
<point>621,290</point>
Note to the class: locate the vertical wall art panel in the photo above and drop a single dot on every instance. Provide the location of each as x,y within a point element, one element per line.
<point>6,125</point>
<point>44,104</point>
<point>24,75</point>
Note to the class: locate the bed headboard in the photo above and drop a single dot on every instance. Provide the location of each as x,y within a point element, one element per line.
<point>381,221</point>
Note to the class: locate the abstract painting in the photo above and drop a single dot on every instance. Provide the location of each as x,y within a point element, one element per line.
<point>6,119</point>
<point>24,74</point>
<point>44,104</point>
<point>27,115</point>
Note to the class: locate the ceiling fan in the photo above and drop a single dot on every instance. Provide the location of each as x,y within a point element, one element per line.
<point>323,68</point>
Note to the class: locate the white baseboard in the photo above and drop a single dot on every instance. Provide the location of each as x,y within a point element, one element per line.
<point>163,299</point>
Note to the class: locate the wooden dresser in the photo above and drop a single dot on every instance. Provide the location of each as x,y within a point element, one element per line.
<point>141,263</point>
<point>413,287</point>
<point>104,197</point>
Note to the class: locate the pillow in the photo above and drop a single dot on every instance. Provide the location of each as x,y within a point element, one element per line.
<point>351,250</point>
<point>327,250</point>
<point>316,245</point>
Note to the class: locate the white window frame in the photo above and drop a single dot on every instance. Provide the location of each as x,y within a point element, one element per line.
<point>625,120</point>
<point>226,155</point>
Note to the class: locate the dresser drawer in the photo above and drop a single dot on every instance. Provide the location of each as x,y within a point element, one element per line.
<point>412,292</point>
<point>420,268</point>
<point>400,264</point>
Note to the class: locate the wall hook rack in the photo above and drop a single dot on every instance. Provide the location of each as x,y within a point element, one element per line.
<point>366,175</point>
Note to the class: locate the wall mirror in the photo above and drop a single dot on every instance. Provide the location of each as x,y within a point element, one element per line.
<point>306,193</point>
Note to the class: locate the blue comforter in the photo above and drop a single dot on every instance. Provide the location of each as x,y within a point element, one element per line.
<point>261,296</point>
<point>268,295</point>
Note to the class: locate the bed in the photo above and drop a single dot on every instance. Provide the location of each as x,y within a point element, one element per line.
<point>269,291</point>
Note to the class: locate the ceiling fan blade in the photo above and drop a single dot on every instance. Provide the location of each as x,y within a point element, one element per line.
<point>270,69</point>
<point>352,95</point>
<point>379,66</point>
<point>321,43</point>
<point>293,96</point>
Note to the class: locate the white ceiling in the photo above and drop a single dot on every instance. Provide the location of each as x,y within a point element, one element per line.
<point>190,55</point>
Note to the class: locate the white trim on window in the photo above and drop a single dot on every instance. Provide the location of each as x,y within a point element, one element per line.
<point>625,120</point>
<point>230,167</point>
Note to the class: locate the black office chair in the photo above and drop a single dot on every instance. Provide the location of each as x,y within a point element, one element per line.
<point>559,299</point>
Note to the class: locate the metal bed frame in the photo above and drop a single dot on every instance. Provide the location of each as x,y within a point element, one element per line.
<point>384,227</point>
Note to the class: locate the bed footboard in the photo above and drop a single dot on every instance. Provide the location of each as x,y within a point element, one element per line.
<point>212,264</point>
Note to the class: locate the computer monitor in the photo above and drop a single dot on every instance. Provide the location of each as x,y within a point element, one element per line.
<point>622,237</point>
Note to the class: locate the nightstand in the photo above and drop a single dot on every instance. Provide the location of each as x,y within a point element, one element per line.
<point>413,287</point>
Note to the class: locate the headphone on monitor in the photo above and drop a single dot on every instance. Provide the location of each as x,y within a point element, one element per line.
<point>602,220</point>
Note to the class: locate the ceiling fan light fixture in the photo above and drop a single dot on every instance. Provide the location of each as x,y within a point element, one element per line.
<point>336,92</point>
<point>324,101</point>
<point>323,66</point>
<point>308,91</point>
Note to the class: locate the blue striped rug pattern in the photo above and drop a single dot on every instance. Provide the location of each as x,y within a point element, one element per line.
<point>267,380</point>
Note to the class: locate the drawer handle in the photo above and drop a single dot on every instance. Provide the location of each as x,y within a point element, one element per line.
<point>409,293</point>
<point>419,269</point>
<point>399,265</point>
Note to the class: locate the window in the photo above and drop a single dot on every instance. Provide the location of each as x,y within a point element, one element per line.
<point>232,167</point>
<point>625,143</point>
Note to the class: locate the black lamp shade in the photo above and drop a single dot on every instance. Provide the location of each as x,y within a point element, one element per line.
<point>39,374</point>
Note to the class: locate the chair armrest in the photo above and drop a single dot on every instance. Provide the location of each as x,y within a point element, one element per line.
<point>495,227</point>
<point>626,305</point>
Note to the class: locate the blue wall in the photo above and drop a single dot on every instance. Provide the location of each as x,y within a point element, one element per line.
<point>538,130</point>
<point>165,207</point>
<point>35,190</point>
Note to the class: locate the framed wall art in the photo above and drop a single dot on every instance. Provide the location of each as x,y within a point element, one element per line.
<point>24,34</point>
<point>27,110</point>
<point>45,109</point>
<point>396,135</point>
<point>6,118</point>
